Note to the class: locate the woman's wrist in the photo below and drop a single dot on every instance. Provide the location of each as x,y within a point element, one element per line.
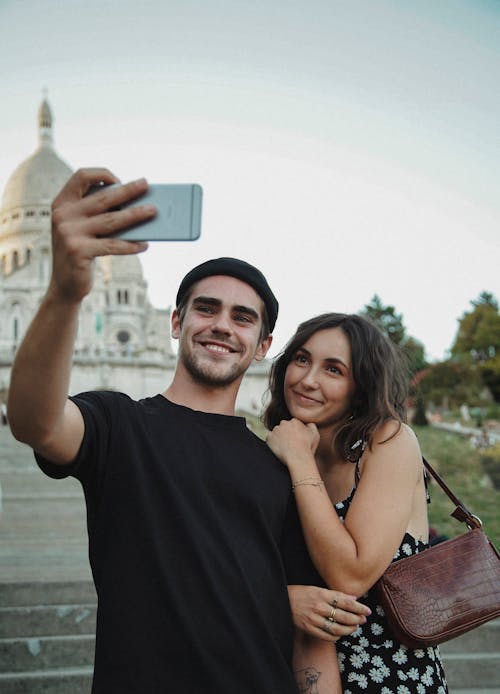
<point>303,467</point>
<point>309,481</point>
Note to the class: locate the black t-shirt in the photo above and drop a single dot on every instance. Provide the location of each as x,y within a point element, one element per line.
<point>186,513</point>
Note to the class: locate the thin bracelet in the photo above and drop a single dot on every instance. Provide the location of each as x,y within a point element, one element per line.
<point>309,477</point>
<point>311,481</point>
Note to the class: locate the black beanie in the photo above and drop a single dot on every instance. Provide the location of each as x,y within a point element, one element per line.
<point>234,268</point>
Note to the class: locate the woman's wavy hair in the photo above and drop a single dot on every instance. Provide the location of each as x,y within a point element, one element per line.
<point>380,376</point>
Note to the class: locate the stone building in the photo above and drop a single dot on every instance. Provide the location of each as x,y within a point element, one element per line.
<point>123,341</point>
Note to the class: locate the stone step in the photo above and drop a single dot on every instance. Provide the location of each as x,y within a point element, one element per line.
<point>55,681</point>
<point>47,620</point>
<point>47,652</point>
<point>24,594</point>
<point>62,562</point>
<point>21,481</point>
<point>11,448</point>
<point>484,639</point>
<point>467,670</point>
<point>69,570</point>
<point>49,518</point>
<point>43,533</point>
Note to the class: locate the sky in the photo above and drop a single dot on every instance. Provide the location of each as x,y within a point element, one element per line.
<point>346,147</point>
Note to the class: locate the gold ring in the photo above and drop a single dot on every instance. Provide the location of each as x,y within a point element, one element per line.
<point>328,626</point>
<point>331,616</point>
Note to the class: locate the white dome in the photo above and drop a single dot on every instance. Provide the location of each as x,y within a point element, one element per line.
<point>125,267</point>
<point>37,180</point>
<point>40,177</point>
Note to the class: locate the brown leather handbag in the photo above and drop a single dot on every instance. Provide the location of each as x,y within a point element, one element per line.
<point>445,590</point>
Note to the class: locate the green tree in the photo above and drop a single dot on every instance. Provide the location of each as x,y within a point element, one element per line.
<point>386,318</point>
<point>452,382</point>
<point>490,372</point>
<point>478,335</point>
<point>477,342</point>
<point>415,353</point>
<point>391,323</point>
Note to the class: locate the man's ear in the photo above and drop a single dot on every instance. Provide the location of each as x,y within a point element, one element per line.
<point>263,348</point>
<point>175,322</point>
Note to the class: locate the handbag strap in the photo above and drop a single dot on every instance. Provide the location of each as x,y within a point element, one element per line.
<point>461,511</point>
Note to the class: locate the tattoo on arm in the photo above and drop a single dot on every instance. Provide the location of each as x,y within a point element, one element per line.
<point>307,679</point>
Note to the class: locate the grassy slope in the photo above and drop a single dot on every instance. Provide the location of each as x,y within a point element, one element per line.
<point>459,465</point>
<point>451,455</point>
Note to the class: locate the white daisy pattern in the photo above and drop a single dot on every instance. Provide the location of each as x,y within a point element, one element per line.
<point>341,659</point>
<point>375,675</point>
<point>356,660</point>
<point>372,660</point>
<point>400,657</point>
<point>427,676</point>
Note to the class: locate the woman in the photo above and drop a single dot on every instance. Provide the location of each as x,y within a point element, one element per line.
<point>337,421</point>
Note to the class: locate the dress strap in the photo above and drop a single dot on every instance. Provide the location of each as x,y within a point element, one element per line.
<point>357,473</point>
<point>361,445</point>
<point>426,482</point>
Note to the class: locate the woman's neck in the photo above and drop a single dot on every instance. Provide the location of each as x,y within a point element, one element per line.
<point>326,455</point>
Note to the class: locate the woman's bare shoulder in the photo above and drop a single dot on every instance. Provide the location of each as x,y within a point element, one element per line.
<point>398,437</point>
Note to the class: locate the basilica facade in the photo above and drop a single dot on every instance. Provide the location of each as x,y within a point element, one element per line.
<point>123,341</point>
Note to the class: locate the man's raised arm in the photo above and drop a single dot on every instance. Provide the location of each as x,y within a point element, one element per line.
<point>40,413</point>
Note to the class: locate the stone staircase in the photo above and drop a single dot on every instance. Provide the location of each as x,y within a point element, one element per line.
<point>47,599</point>
<point>472,662</point>
<point>48,602</point>
<point>47,637</point>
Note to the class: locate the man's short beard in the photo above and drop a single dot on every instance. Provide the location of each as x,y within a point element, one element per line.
<point>206,377</point>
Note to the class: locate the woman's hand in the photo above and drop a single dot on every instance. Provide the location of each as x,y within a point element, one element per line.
<point>325,614</point>
<point>294,443</point>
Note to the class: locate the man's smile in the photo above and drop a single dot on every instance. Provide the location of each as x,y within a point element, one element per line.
<point>217,347</point>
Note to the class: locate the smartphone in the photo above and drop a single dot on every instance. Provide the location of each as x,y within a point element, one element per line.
<point>178,216</point>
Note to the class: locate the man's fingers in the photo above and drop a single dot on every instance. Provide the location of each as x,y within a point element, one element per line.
<point>81,181</point>
<point>107,197</point>
<point>109,223</point>
<point>118,247</point>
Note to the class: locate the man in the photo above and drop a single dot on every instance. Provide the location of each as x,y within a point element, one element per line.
<point>186,507</point>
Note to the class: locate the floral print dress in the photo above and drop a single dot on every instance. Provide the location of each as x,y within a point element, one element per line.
<point>371,660</point>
